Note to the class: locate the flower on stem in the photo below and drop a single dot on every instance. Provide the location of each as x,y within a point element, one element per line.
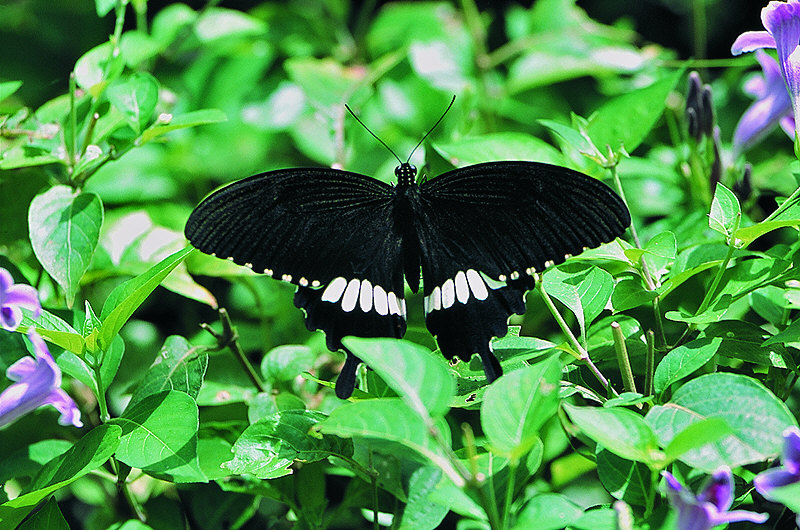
<point>12,298</point>
<point>789,472</point>
<point>708,508</point>
<point>37,383</point>
<point>772,106</point>
<point>782,23</point>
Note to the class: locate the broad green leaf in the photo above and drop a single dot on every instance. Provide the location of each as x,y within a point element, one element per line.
<point>55,330</point>
<point>136,98</point>
<point>159,435</point>
<point>754,414</point>
<point>7,88</point>
<point>621,431</point>
<point>714,313</point>
<point>697,435</point>
<point>745,341</point>
<point>28,460</point>
<point>420,511</point>
<point>190,119</point>
<point>748,275</point>
<point>749,234</point>
<point>725,212</point>
<point>629,293</point>
<point>548,511</point>
<point>98,65</point>
<point>498,146</point>
<point>392,420</point>
<point>659,253</point>
<point>683,360</point>
<point>269,447</point>
<point>88,453</point>
<point>179,366</point>
<point>127,297</point>
<point>64,230</point>
<point>673,282</point>
<point>284,363</point>
<point>597,519</point>
<point>421,379</point>
<point>27,156</point>
<point>628,119</point>
<point>623,479</point>
<point>584,289</point>
<point>48,517</point>
<point>515,407</point>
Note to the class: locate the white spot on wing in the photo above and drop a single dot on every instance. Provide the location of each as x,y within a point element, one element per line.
<point>448,293</point>
<point>462,288</point>
<point>380,300</point>
<point>393,307</point>
<point>403,307</point>
<point>303,282</point>
<point>315,283</point>
<point>476,285</point>
<point>514,275</point>
<point>334,290</point>
<point>437,298</point>
<point>350,297</point>
<point>286,277</point>
<point>365,297</point>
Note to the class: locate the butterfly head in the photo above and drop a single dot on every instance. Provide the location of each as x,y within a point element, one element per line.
<point>406,174</point>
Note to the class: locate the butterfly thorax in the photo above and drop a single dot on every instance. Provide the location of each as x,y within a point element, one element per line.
<point>406,175</point>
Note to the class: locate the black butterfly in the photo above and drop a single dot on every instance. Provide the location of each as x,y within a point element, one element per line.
<point>348,241</point>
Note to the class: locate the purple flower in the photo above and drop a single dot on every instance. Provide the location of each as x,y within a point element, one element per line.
<point>710,507</point>
<point>37,383</point>
<point>782,22</point>
<point>789,472</point>
<point>772,106</point>
<point>12,298</point>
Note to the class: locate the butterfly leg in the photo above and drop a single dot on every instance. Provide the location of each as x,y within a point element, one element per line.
<point>491,366</point>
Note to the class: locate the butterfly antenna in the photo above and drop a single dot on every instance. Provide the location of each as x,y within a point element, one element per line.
<point>372,133</point>
<point>432,128</point>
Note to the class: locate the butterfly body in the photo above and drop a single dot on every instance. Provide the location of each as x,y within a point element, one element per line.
<point>478,235</point>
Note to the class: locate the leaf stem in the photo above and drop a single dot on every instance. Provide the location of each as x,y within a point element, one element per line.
<point>649,363</point>
<point>623,359</point>
<point>512,474</point>
<point>583,355</point>
<point>230,338</point>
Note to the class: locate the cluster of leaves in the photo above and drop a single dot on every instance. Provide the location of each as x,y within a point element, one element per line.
<point>674,349</point>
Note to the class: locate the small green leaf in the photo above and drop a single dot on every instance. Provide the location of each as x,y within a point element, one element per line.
<point>515,407</point>
<point>624,479</point>
<point>498,146</point>
<point>7,88</point>
<point>54,329</point>
<point>159,435</point>
<point>548,511</point>
<point>96,66</point>
<point>584,289</point>
<point>683,360</point>
<point>420,510</point>
<point>621,431</point>
<point>64,230</point>
<point>725,212</point>
<point>421,379</point>
<point>27,156</point>
<point>660,252</point>
<point>629,293</point>
<point>284,363</point>
<point>88,453</point>
<point>696,436</point>
<point>755,415</point>
<point>269,447</point>
<point>48,517</point>
<point>136,98</point>
<point>182,121</point>
<point>127,297</point>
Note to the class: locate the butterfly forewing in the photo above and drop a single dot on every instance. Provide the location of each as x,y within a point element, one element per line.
<point>485,230</point>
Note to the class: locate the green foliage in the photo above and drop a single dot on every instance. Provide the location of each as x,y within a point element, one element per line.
<point>102,158</point>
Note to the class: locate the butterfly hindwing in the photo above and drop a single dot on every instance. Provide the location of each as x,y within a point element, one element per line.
<point>485,230</point>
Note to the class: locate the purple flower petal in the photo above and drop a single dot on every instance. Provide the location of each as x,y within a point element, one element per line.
<point>767,480</point>
<point>22,368</point>
<point>12,298</point>
<point>791,450</point>
<point>739,515</point>
<point>70,415</point>
<point>719,491</point>
<point>752,40</point>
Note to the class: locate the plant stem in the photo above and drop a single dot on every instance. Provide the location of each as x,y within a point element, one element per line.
<point>649,363</point>
<point>624,361</point>
<point>583,355</point>
<point>101,394</point>
<point>230,338</point>
<point>512,474</point>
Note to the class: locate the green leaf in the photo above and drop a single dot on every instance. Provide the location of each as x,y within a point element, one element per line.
<point>628,119</point>
<point>179,366</point>
<point>697,435</point>
<point>127,297</point>
<point>749,234</point>
<point>55,330</point>
<point>683,360</point>
<point>621,431</point>
<point>584,289</point>
<point>64,230</point>
<point>326,82</point>
<point>624,479</point>
<point>29,459</point>
<point>421,379</point>
<point>515,407</point>
<point>392,420</point>
<point>629,293</point>
<point>136,98</point>
<point>88,453</point>
<point>725,212</point>
<point>660,252</point>
<point>218,23</point>
<point>269,447</point>
<point>182,121</point>
<point>420,511</point>
<point>548,511</point>
<point>159,435</point>
<point>733,398</point>
<point>48,517</point>
<point>745,341</point>
<point>7,88</point>
<point>498,146</point>
<point>285,363</point>
<point>98,65</point>
<point>27,156</point>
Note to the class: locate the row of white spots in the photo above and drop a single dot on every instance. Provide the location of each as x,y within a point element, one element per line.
<point>303,281</point>
<point>461,287</point>
<point>363,294</point>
